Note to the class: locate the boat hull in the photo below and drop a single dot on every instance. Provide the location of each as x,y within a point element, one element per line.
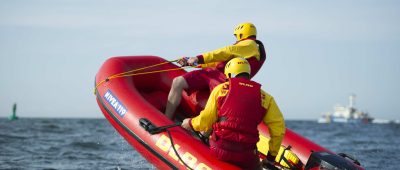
<point>125,100</point>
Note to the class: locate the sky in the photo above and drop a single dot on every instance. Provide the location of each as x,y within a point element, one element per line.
<point>318,52</point>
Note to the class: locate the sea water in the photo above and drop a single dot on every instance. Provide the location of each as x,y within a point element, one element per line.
<point>33,143</point>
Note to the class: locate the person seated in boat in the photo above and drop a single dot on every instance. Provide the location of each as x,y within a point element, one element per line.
<point>233,111</point>
<point>213,63</point>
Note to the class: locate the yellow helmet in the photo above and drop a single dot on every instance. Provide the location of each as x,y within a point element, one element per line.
<point>244,30</point>
<point>236,66</point>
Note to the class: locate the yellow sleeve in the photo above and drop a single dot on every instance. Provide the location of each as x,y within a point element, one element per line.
<point>214,64</point>
<point>275,122</point>
<point>209,115</point>
<point>246,49</point>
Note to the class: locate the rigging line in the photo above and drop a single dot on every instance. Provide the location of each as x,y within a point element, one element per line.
<point>142,68</point>
<point>130,71</point>
<point>150,72</point>
<point>135,74</point>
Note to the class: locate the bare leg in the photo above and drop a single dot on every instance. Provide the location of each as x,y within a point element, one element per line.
<point>175,96</point>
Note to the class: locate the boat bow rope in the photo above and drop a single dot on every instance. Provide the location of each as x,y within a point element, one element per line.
<point>132,72</point>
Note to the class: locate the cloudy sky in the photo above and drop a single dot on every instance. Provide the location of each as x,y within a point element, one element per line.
<point>319,52</point>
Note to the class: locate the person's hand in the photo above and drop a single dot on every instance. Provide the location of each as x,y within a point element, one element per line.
<point>192,61</point>
<point>185,124</point>
<point>183,61</point>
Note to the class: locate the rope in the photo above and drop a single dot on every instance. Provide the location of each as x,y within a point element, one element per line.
<point>138,69</point>
<point>150,72</point>
<point>130,72</point>
<point>176,152</point>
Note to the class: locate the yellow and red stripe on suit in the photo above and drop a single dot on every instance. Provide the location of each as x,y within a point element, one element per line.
<point>246,48</point>
<point>273,117</point>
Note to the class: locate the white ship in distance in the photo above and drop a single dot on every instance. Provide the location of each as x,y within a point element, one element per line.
<point>343,114</point>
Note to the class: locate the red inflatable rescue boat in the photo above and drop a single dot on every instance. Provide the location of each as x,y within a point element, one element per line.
<point>132,93</point>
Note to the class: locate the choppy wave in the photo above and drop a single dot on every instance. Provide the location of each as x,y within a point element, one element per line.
<point>94,144</point>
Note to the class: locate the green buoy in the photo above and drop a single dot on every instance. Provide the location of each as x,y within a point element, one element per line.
<point>14,113</point>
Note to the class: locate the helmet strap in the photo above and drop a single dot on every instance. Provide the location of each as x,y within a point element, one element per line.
<point>248,38</point>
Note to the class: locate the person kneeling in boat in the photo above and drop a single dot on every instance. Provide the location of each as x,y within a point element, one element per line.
<point>213,63</point>
<point>233,111</point>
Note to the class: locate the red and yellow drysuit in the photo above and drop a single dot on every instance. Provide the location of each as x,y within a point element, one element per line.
<point>234,110</point>
<point>213,63</point>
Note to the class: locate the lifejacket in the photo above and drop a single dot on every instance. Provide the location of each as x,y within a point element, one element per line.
<point>238,118</point>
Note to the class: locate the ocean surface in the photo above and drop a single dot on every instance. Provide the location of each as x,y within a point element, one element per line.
<point>94,144</point>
